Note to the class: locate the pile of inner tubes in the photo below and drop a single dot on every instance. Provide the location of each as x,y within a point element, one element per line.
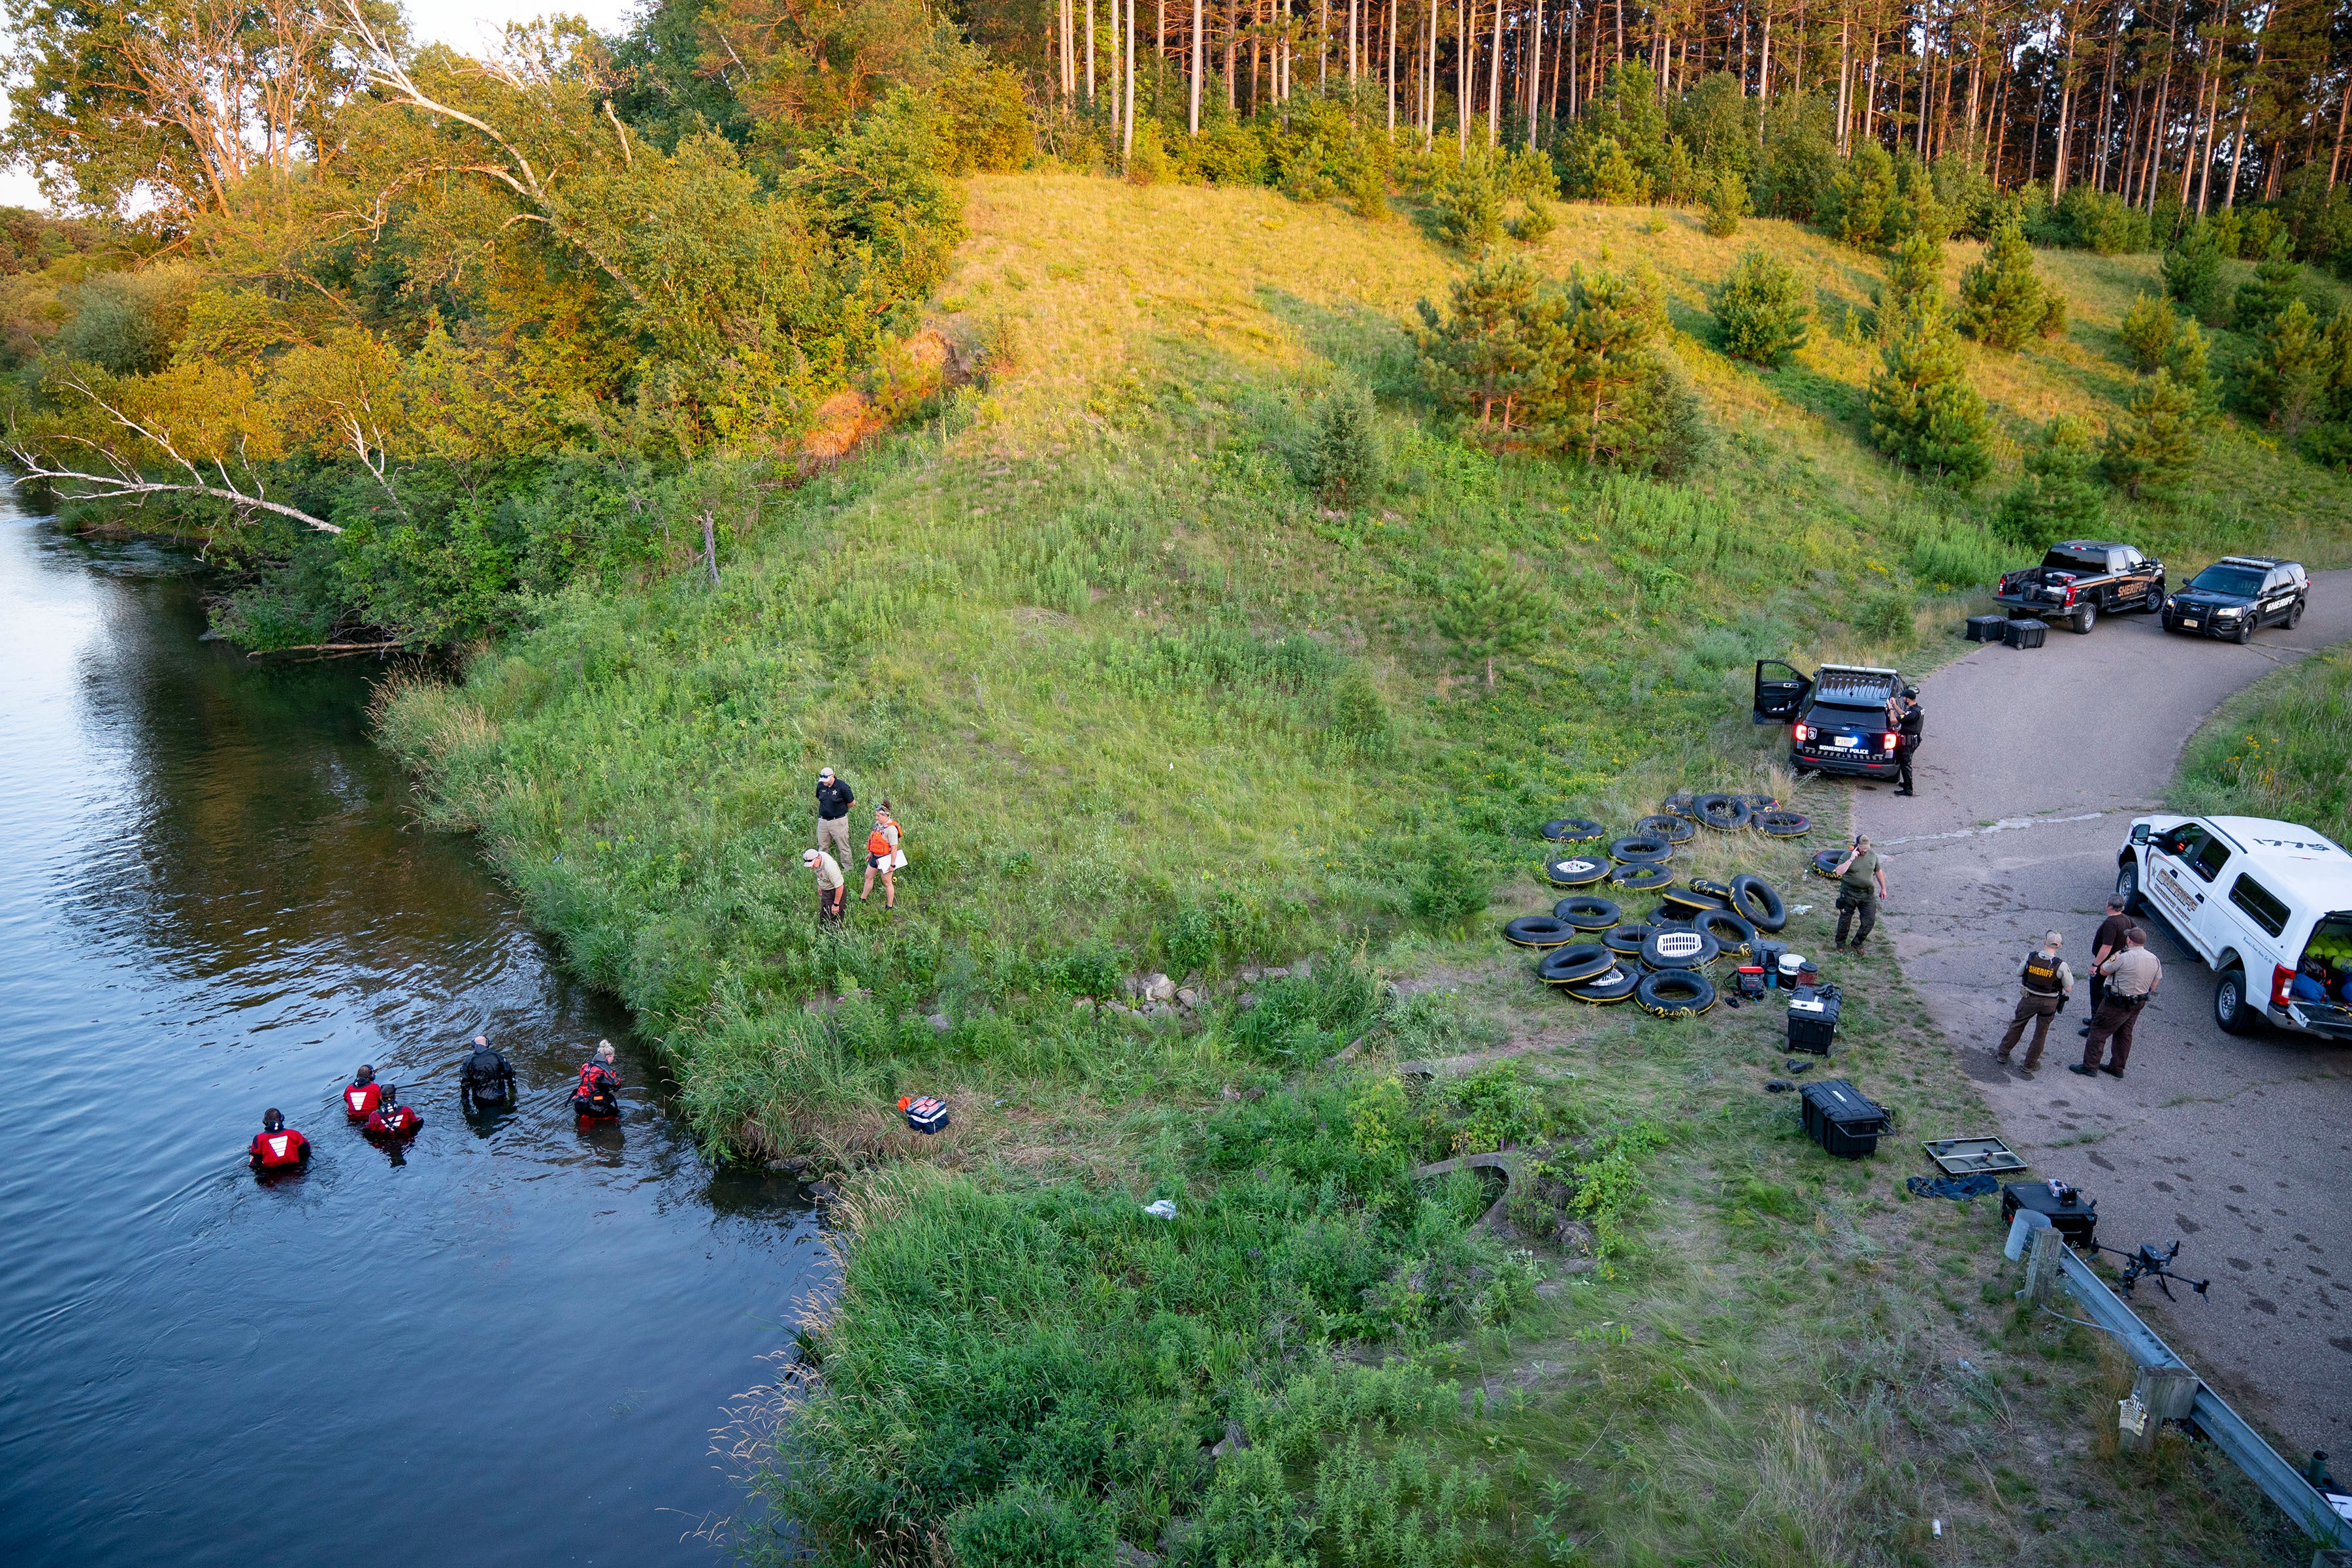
<point>1593,948</point>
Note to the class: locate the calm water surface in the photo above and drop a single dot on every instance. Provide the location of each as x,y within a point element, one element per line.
<point>509,1345</point>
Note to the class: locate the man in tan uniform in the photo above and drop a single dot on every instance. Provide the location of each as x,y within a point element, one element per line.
<point>2132,977</point>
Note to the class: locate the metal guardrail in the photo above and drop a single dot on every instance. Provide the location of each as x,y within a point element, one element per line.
<point>2280,1481</point>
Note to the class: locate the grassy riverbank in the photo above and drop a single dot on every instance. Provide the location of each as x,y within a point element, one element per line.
<point>1142,701</point>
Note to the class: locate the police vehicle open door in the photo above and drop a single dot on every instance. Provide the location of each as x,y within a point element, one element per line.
<point>1780,691</point>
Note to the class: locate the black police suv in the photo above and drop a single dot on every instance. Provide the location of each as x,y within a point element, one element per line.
<point>2237,595</point>
<point>1836,716</point>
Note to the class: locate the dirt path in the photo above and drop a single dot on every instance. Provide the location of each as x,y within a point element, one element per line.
<point>2240,1147</point>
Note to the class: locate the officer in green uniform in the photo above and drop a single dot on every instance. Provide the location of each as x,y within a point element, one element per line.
<point>1862,882</point>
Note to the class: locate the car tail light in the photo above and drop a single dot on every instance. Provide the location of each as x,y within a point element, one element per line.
<point>1802,733</point>
<point>2070,592</point>
<point>2282,980</point>
<point>1886,742</point>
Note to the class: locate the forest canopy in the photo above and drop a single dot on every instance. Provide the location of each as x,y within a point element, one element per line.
<point>355,310</point>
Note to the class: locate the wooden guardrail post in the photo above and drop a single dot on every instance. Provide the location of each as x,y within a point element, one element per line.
<point>2163,1393</point>
<point>2041,1250</point>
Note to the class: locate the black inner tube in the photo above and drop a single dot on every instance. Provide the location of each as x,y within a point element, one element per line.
<point>1539,931</point>
<point>1572,829</point>
<point>1733,932</point>
<point>1642,878</point>
<point>1673,829</point>
<point>1635,849</point>
<point>1587,913</point>
<point>1675,991</point>
<point>1758,902</point>
<point>1580,962</point>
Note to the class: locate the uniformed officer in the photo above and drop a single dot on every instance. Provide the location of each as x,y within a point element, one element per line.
<point>1910,728</point>
<point>1862,882</point>
<point>2046,982</point>
<point>2132,977</point>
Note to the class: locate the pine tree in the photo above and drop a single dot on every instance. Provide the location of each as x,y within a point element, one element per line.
<point>2287,381</point>
<point>2150,330</point>
<point>1861,197</point>
<point>1593,338</point>
<point>2186,361</point>
<point>1914,286</point>
<point>1343,456</point>
<point>2151,447</point>
<point>1478,359</point>
<point>2058,497</point>
<point>1470,209</point>
<point>2273,287</point>
<point>2193,271</point>
<point>1726,204</point>
<point>1923,411</point>
<point>1493,610</point>
<point>2002,301</point>
<point>1764,308</point>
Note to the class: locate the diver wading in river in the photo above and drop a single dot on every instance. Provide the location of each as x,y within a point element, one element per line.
<point>485,1083</point>
<point>597,1097</point>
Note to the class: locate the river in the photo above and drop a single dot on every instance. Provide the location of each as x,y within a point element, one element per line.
<point>510,1343</point>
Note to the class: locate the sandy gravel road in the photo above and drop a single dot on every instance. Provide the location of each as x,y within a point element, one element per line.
<point>2242,1147</point>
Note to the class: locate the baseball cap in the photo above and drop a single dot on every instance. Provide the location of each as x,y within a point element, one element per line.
<point>808,857</point>
<point>824,772</point>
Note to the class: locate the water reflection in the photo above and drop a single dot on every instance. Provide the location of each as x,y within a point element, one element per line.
<point>506,1340</point>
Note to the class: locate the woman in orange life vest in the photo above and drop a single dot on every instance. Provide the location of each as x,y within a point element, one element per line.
<point>598,1094</point>
<point>277,1147</point>
<point>362,1095</point>
<point>882,855</point>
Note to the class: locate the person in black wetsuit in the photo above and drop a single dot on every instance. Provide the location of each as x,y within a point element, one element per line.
<point>485,1083</point>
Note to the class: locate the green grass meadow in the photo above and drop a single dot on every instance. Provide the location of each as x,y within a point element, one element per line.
<point>1141,700</point>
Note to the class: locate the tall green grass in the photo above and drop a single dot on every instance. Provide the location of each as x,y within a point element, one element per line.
<point>2282,748</point>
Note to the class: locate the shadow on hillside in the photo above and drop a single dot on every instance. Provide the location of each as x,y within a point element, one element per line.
<point>1368,344</point>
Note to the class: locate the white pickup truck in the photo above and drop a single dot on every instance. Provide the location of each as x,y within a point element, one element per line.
<point>2262,902</point>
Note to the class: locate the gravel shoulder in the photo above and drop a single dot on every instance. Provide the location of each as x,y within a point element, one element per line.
<point>2242,1147</point>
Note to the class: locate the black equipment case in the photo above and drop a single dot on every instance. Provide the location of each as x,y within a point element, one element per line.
<point>1838,1119</point>
<point>1812,1018</point>
<point>2025,634</point>
<point>2075,1217</point>
<point>1987,628</point>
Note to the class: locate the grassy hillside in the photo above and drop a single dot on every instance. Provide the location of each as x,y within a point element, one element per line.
<point>2280,748</point>
<point>1141,701</point>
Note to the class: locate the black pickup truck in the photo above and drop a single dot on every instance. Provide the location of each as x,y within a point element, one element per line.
<point>2081,577</point>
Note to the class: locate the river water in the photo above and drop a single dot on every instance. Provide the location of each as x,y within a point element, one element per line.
<point>508,1344</point>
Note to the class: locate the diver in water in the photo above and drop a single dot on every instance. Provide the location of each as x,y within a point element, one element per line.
<point>485,1083</point>
<point>362,1094</point>
<point>599,1090</point>
<point>277,1147</point>
<point>391,1118</point>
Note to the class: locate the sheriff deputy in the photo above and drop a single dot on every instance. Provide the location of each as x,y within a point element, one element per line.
<point>2044,983</point>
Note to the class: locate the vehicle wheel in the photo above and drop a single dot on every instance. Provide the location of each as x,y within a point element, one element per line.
<point>2295,615</point>
<point>2245,630</point>
<point>1759,904</point>
<point>1637,849</point>
<point>1580,872</point>
<point>2086,617</point>
<point>2152,603</point>
<point>1673,829</point>
<point>1566,965</point>
<point>1675,993</point>
<point>1587,913</point>
<point>2127,887</point>
<point>1573,830</point>
<point>1539,930</point>
<point>2232,1009</point>
<point>1731,934</point>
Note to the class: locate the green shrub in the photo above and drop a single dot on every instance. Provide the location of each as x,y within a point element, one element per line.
<point>129,322</point>
<point>2002,300</point>
<point>2287,379</point>
<point>1149,163</point>
<point>2193,271</point>
<point>2101,221</point>
<point>1764,309</point>
<point>2186,361</point>
<point>1452,887</point>
<point>1469,209</point>
<point>1025,1526</point>
<point>1959,557</point>
<point>1493,609</point>
<point>1887,618</point>
<point>1915,287</point>
<point>2263,298</point>
<point>1726,204</point>
<point>2057,497</point>
<point>2154,445</point>
<point>2149,331</point>
<point>1344,461</point>
<point>1535,225</point>
<point>1923,411</point>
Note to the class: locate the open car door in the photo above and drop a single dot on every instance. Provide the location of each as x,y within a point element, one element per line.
<point>1780,691</point>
